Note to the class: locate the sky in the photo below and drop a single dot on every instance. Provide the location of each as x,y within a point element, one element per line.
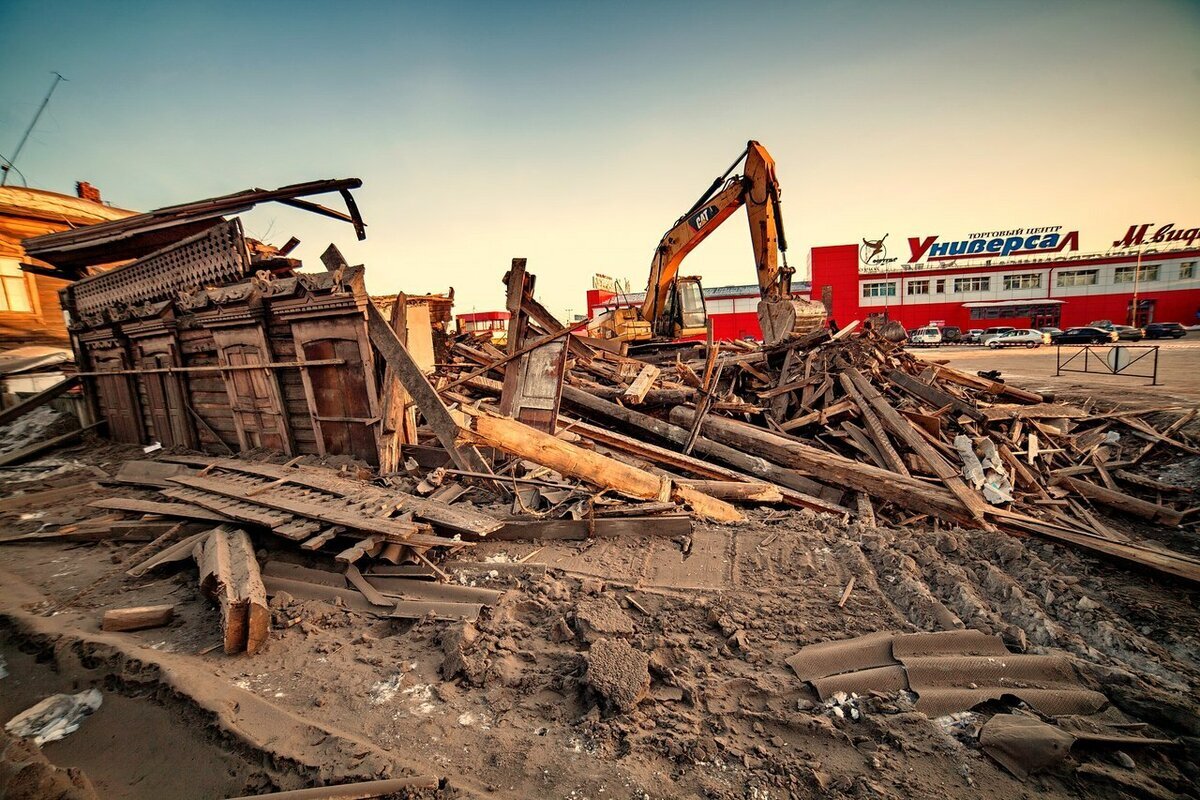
<point>574,134</point>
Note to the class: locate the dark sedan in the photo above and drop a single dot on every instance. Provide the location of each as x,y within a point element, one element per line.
<point>1165,330</point>
<point>1128,333</point>
<point>1084,336</point>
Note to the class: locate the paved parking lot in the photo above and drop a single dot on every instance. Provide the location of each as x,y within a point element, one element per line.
<point>1178,369</point>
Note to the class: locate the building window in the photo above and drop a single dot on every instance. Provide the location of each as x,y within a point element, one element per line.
<point>1033,281</point>
<point>1125,274</point>
<point>918,287</point>
<point>1078,277</point>
<point>975,284</point>
<point>1187,270</point>
<point>880,289</point>
<point>940,286</point>
<point>14,288</point>
<point>744,305</point>
<point>722,306</point>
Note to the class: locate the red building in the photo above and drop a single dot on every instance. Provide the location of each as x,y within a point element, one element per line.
<point>476,322</point>
<point>732,309</point>
<point>963,287</point>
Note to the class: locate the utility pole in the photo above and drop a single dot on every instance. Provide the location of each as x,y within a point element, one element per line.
<point>1137,276</point>
<point>58,78</point>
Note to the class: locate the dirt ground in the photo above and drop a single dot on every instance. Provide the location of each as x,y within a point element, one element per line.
<point>1178,368</point>
<point>505,707</point>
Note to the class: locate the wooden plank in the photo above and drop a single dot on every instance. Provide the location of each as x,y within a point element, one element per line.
<point>568,459</point>
<point>37,400</point>
<point>391,529</point>
<point>26,453</point>
<point>137,618</point>
<point>181,510</point>
<point>461,518</point>
<point>418,387</point>
<point>737,491</point>
<point>49,496</point>
<point>601,528</point>
<point>874,427</point>
<point>180,551</point>
<point>938,398</point>
<point>880,483</point>
<point>904,430</point>
<point>1121,501</point>
<point>798,489</point>
<point>636,392</point>
<point>229,574</point>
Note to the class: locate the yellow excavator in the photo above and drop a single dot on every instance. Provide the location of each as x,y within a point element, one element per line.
<point>674,304</point>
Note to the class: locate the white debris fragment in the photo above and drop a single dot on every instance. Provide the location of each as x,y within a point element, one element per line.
<point>54,717</point>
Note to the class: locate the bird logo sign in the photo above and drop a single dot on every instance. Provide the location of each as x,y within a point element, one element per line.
<point>873,252</point>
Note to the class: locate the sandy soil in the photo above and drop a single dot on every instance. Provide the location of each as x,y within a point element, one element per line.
<point>517,705</point>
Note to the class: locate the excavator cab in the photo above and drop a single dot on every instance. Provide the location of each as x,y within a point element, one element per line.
<point>685,316</point>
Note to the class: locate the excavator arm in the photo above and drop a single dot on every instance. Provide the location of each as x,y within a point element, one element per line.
<point>757,189</point>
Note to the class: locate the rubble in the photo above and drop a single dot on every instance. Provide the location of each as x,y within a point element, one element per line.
<point>331,479</point>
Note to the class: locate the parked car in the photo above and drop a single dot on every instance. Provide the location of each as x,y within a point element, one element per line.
<point>1052,333</point>
<point>974,336</point>
<point>929,336</point>
<point>1165,330</point>
<point>1105,324</point>
<point>1018,337</point>
<point>952,334</point>
<point>1086,335</point>
<point>992,333</point>
<point>1128,333</point>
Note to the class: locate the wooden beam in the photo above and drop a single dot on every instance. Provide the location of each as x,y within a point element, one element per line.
<point>636,392</point>
<point>423,394</point>
<point>1121,501</point>
<point>181,510</point>
<point>229,574</point>
<point>878,482</point>
<point>26,453</point>
<point>799,490</point>
<point>137,618</point>
<point>542,448</point>
<point>39,399</point>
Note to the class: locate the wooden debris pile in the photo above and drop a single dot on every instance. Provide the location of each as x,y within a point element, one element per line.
<point>846,423</point>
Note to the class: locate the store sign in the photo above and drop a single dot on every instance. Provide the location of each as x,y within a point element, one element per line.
<point>873,253</point>
<point>990,244</point>
<point>604,283</point>
<point>1140,234</point>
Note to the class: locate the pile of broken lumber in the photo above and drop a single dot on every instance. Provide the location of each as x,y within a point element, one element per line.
<point>846,423</point>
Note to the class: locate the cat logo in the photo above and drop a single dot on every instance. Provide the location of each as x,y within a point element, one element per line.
<point>702,217</point>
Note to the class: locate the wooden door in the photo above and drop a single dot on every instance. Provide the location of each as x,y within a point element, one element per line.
<point>341,397</point>
<point>257,412</point>
<point>165,396</point>
<point>116,399</point>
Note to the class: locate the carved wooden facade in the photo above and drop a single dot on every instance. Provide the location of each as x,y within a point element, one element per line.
<point>274,361</point>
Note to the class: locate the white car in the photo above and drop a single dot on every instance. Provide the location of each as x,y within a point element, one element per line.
<point>1020,336</point>
<point>929,336</point>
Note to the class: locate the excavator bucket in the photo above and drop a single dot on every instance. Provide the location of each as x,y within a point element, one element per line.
<point>784,317</point>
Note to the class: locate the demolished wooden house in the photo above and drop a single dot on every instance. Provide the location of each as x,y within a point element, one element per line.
<point>208,341</point>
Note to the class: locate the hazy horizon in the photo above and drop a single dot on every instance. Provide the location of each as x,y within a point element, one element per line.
<point>574,135</point>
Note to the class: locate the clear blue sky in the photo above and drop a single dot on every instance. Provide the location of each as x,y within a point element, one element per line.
<point>575,133</point>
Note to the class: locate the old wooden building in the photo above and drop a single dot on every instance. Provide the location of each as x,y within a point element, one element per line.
<point>216,342</point>
<point>29,306</point>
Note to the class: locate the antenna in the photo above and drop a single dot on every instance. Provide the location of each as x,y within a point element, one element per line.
<point>58,78</point>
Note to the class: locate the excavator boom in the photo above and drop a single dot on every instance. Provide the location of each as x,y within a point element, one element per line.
<point>757,188</point>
